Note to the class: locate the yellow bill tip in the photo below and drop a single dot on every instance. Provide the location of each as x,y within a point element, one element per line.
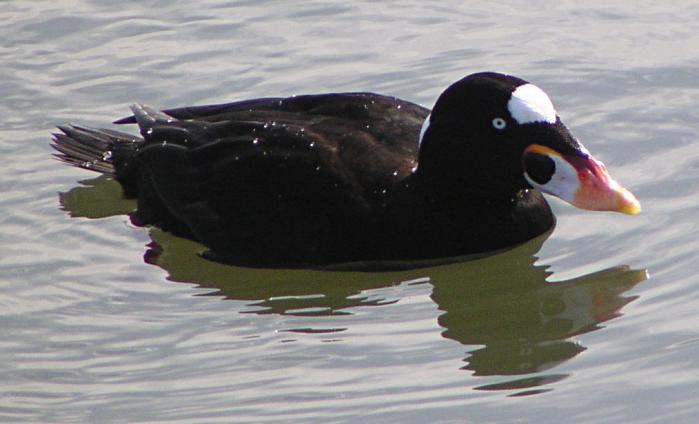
<point>628,203</point>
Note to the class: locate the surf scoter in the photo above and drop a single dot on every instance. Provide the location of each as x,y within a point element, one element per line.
<point>320,179</point>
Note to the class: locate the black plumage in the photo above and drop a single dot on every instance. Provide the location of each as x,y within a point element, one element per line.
<point>321,179</point>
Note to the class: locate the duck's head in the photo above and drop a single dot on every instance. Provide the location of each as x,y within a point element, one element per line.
<point>498,133</point>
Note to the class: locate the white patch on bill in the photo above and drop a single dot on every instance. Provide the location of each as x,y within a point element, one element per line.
<point>425,125</point>
<point>529,104</point>
<point>564,182</point>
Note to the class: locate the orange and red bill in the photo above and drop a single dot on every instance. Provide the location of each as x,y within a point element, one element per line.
<point>579,179</point>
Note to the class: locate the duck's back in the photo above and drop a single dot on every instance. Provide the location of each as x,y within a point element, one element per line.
<point>281,179</point>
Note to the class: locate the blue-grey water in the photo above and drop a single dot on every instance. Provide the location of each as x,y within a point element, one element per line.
<point>101,321</point>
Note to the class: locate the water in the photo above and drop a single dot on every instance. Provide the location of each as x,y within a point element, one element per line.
<point>101,321</point>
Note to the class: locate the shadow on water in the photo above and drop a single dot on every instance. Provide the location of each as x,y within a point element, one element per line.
<point>514,322</point>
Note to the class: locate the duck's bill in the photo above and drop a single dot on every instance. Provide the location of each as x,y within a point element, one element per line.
<point>579,179</point>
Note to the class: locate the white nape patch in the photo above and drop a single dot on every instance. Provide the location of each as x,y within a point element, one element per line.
<point>425,125</point>
<point>529,104</point>
<point>564,182</point>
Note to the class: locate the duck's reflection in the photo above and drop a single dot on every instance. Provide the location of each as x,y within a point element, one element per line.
<point>524,323</point>
<point>513,321</point>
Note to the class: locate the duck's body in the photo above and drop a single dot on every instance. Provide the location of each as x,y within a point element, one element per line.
<point>322,179</point>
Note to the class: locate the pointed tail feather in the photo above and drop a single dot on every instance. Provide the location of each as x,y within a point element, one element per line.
<point>93,149</point>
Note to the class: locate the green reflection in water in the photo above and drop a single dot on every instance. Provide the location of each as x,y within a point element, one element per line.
<point>513,321</point>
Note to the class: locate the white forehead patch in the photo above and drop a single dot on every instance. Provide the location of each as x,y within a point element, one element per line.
<point>529,104</point>
<point>425,125</point>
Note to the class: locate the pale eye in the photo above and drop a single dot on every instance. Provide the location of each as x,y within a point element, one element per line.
<point>499,123</point>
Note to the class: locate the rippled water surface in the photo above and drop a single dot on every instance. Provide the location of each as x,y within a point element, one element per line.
<point>101,321</point>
